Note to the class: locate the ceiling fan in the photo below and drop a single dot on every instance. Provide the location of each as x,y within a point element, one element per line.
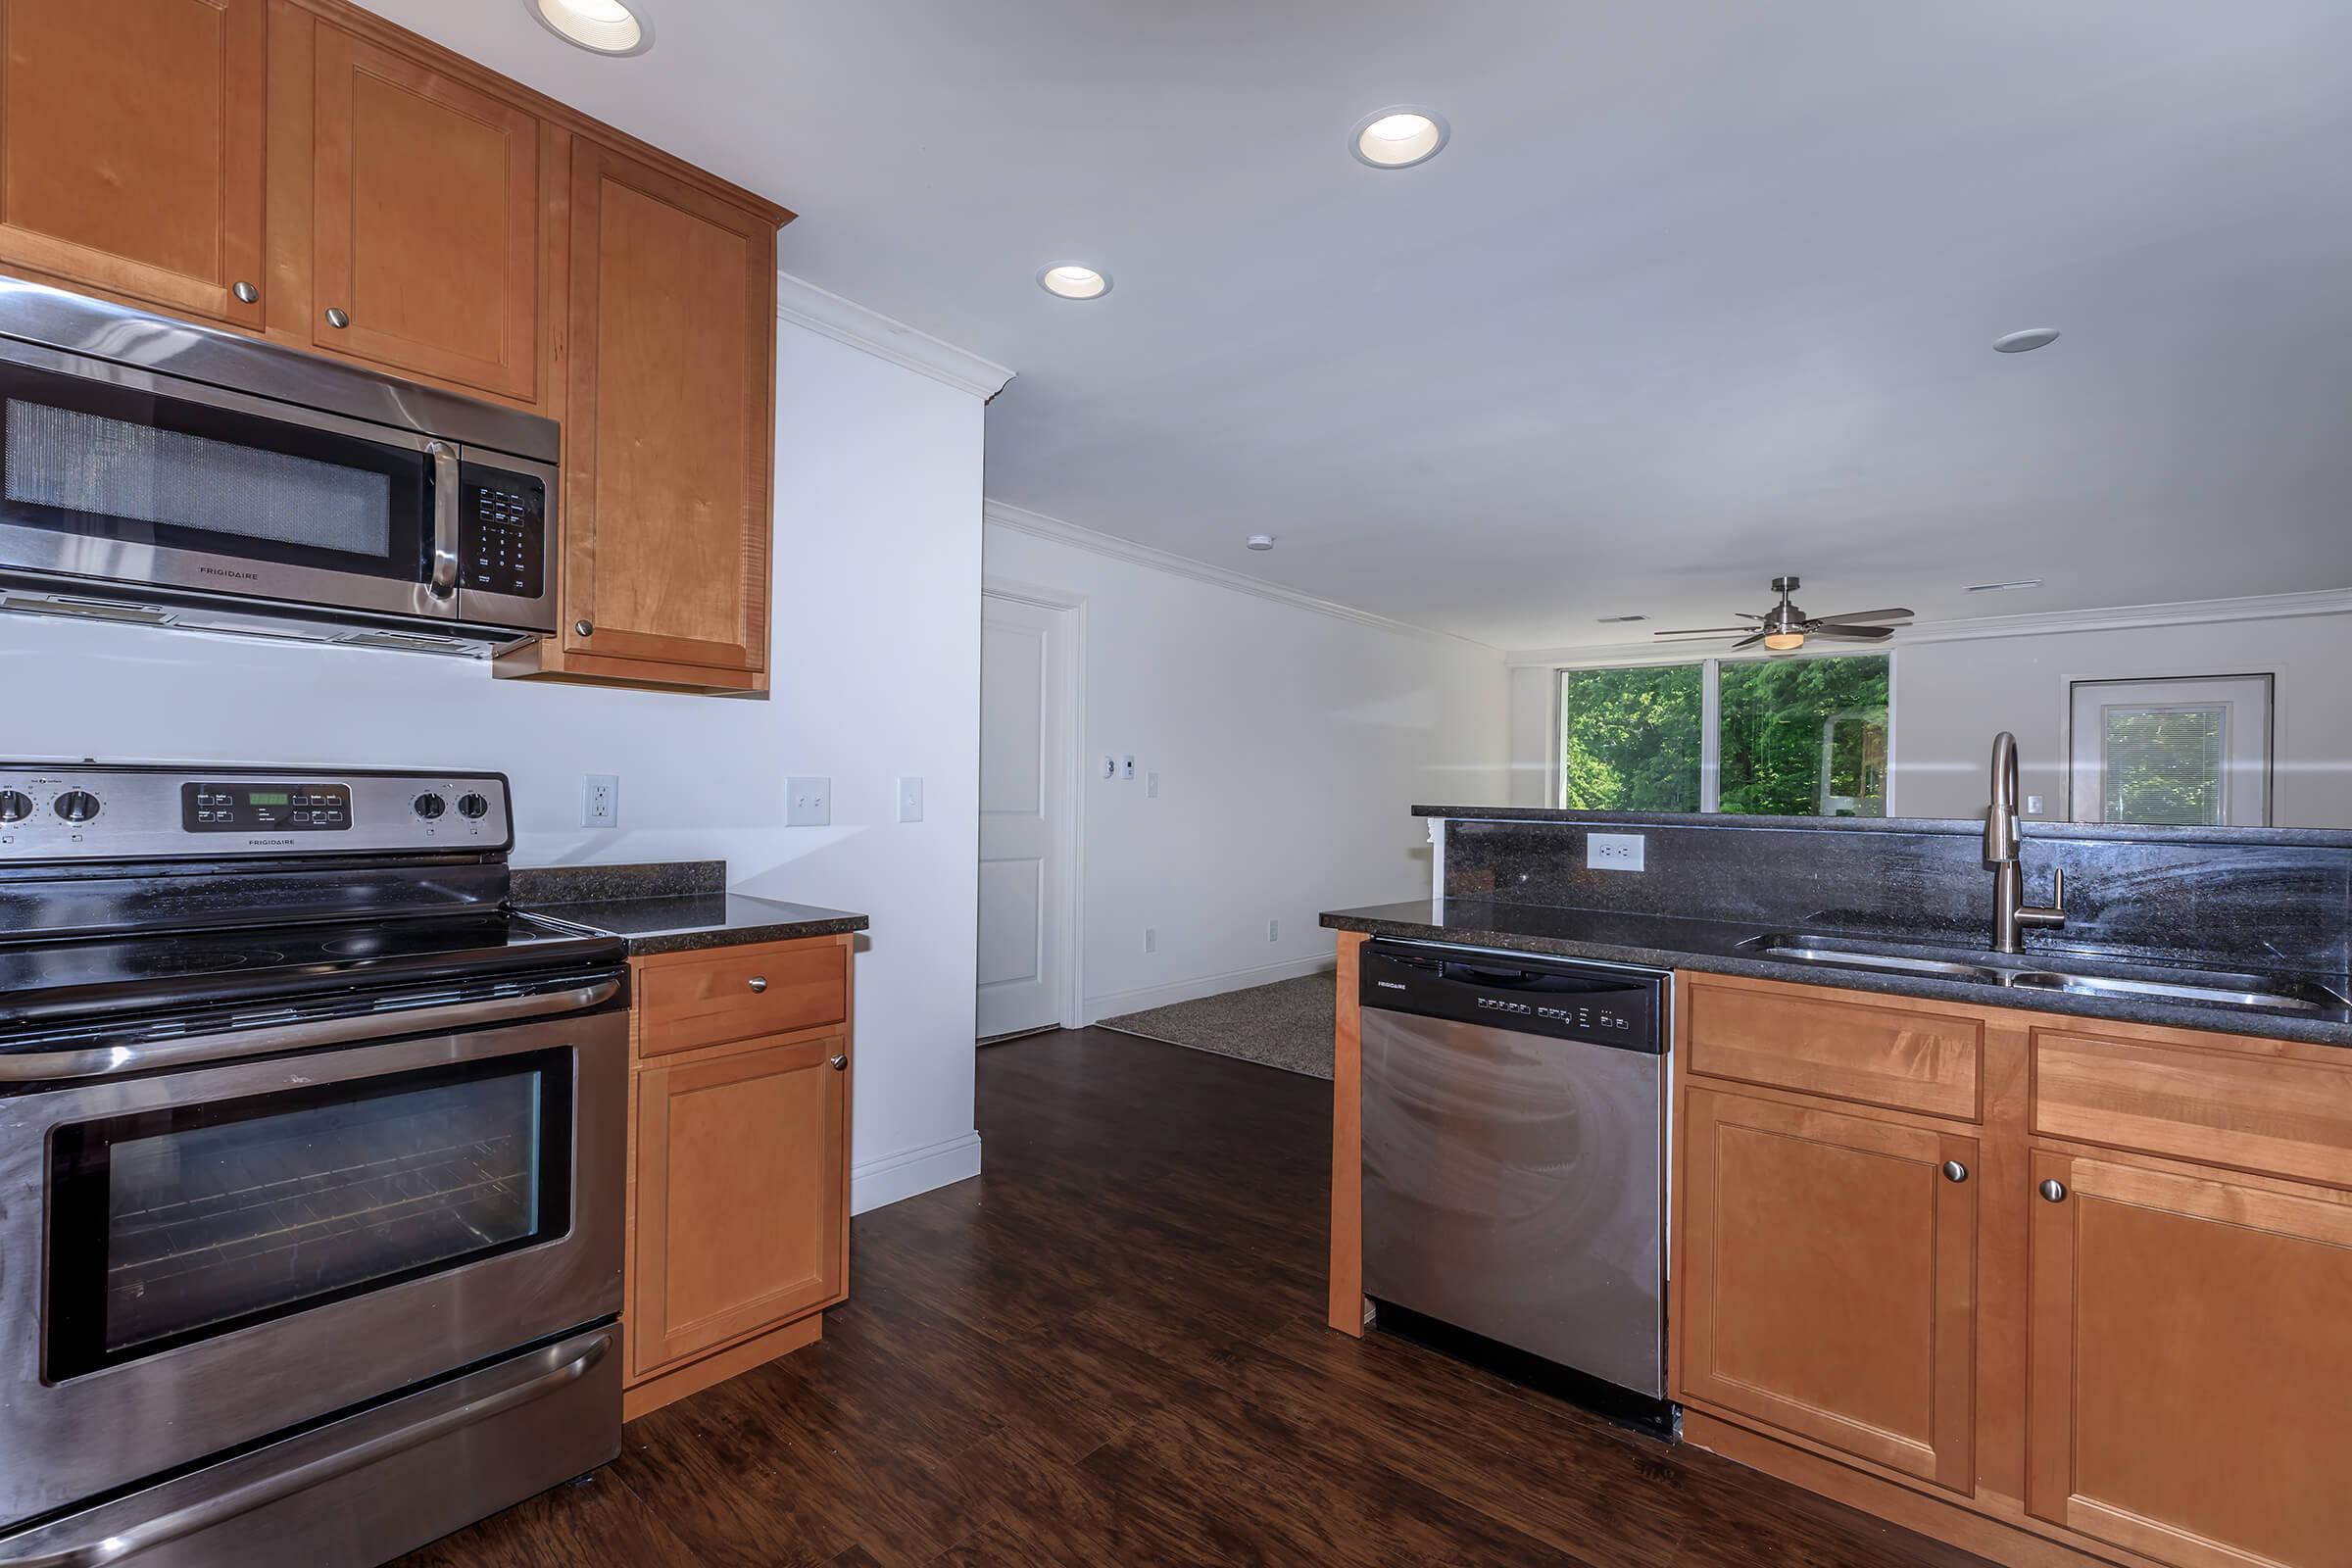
<point>1786,628</point>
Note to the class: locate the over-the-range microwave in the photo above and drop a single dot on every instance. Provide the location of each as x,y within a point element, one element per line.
<point>154,471</point>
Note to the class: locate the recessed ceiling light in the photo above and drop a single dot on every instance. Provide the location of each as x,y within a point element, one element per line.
<point>2032,337</point>
<point>1398,137</point>
<point>1618,620</point>
<point>1261,541</point>
<point>1071,282</point>
<point>2003,587</point>
<point>599,26</point>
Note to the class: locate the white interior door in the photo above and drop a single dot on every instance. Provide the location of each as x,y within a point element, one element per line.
<point>1025,814</point>
<point>2192,752</point>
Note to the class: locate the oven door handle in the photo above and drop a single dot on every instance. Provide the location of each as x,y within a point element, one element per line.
<point>443,584</point>
<point>260,1493</point>
<point>108,1061</point>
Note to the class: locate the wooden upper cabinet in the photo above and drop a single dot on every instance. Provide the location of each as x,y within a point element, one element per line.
<point>668,427</point>
<point>741,1206</point>
<point>132,148</point>
<point>427,221</point>
<point>1828,1280</point>
<point>2190,1370</point>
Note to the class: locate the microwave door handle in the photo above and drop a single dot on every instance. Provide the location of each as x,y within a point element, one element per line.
<point>443,584</point>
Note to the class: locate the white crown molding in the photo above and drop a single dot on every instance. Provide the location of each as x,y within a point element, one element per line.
<point>2124,617</point>
<point>1020,519</point>
<point>821,311</point>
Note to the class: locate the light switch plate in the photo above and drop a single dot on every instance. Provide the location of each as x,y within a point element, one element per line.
<point>910,799</point>
<point>1613,852</point>
<point>808,803</point>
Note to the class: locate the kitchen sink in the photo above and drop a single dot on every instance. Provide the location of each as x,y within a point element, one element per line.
<point>2042,971</point>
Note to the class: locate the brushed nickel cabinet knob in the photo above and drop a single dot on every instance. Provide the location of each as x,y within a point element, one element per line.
<point>245,292</point>
<point>337,317</point>
<point>759,982</point>
<point>2055,1190</point>
<point>584,629</point>
<point>838,1063</point>
<point>1954,1171</point>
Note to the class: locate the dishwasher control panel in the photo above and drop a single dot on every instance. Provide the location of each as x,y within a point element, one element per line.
<point>1604,1003</point>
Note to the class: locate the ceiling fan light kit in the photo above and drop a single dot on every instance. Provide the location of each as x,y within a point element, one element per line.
<point>1784,628</point>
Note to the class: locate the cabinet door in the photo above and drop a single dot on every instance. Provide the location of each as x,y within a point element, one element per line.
<point>1829,1279</point>
<point>426,209</point>
<point>667,438</point>
<point>131,148</point>
<point>741,1212</point>
<point>2191,1372</point>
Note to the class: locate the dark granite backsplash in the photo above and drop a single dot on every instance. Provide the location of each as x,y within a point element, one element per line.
<point>2255,901</point>
<point>594,884</point>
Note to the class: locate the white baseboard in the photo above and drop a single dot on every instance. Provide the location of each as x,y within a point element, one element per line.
<point>1117,1002</point>
<point>877,1182</point>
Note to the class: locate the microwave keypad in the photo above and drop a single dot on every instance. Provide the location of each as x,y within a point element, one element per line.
<point>502,542</point>
<point>301,807</point>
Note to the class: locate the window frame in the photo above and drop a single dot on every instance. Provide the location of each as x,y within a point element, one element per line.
<point>2268,706</point>
<point>1710,716</point>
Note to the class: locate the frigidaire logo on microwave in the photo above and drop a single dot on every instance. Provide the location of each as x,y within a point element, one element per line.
<point>222,571</point>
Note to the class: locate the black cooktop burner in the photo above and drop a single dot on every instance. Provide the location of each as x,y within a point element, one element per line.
<point>43,981</point>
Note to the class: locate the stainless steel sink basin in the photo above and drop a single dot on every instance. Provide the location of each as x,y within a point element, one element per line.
<point>2041,971</point>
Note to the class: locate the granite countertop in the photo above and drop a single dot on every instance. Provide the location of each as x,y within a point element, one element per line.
<point>2031,827</point>
<point>1668,941</point>
<point>675,906</point>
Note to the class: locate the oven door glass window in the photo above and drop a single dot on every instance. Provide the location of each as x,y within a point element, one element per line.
<point>172,1226</point>
<point>121,465</point>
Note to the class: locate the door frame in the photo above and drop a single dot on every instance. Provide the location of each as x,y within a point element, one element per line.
<point>1070,676</point>
<point>2269,724</point>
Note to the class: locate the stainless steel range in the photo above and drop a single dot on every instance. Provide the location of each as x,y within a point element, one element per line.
<point>311,1167</point>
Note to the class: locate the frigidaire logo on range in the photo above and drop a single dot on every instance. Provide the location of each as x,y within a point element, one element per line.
<point>240,576</point>
<point>268,843</point>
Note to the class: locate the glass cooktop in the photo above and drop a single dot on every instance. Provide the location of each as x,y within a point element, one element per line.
<point>43,981</point>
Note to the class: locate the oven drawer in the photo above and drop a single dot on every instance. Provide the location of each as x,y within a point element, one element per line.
<point>694,999</point>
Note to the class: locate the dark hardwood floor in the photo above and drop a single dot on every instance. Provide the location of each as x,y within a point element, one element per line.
<point>1109,1349</point>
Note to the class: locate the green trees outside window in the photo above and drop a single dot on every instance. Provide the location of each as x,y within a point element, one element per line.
<point>1796,737</point>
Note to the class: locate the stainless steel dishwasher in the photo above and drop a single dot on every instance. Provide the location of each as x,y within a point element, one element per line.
<point>1514,1152</point>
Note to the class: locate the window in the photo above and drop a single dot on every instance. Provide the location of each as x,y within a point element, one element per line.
<point>1630,738</point>
<point>1787,737</point>
<point>1803,737</point>
<point>2176,752</point>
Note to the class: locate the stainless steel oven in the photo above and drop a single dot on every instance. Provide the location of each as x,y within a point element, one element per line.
<point>196,1259</point>
<point>147,464</point>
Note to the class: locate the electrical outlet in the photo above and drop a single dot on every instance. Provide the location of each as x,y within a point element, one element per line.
<point>910,799</point>
<point>1273,930</point>
<point>600,800</point>
<point>808,803</point>
<point>1150,786</point>
<point>1127,768</point>
<point>1613,852</point>
<point>2032,806</point>
<point>1151,939</point>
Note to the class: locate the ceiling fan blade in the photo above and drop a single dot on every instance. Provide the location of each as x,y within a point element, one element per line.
<point>1702,631</point>
<point>1852,634</point>
<point>1750,641</point>
<point>1853,615</point>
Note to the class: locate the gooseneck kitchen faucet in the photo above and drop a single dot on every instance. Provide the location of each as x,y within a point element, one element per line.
<point>2011,913</point>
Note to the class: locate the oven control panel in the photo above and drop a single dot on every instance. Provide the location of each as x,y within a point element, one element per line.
<point>301,807</point>
<point>99,811</point>
<point>502,532</point>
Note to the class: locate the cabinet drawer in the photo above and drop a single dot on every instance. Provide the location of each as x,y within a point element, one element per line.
<point>2252,1110</point>
<point>1905,1055</point>
<point>703,1001</point>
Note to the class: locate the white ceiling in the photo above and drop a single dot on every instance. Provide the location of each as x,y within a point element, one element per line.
<point>1699,292</point>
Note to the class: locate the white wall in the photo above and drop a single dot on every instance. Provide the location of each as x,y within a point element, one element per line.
<point>1953,695</point>
<point>875,673</point>
<point>1291,743</point>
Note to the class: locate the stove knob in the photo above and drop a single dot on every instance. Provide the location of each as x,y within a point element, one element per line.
<point>15,806</point>
<point>76,806</point>
<point>430,806</point>
<point>473,806</point>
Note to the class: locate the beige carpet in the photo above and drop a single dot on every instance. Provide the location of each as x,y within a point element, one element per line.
<point>1285,1025</point>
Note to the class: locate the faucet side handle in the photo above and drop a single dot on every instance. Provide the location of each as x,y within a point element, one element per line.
<point>2054,915</point>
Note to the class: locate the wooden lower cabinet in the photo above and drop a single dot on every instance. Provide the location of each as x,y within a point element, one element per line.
<point>738,1196</point>
<point>1829,1279</point>
<point>2120,1339</point>
<point>2191,1370</point>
